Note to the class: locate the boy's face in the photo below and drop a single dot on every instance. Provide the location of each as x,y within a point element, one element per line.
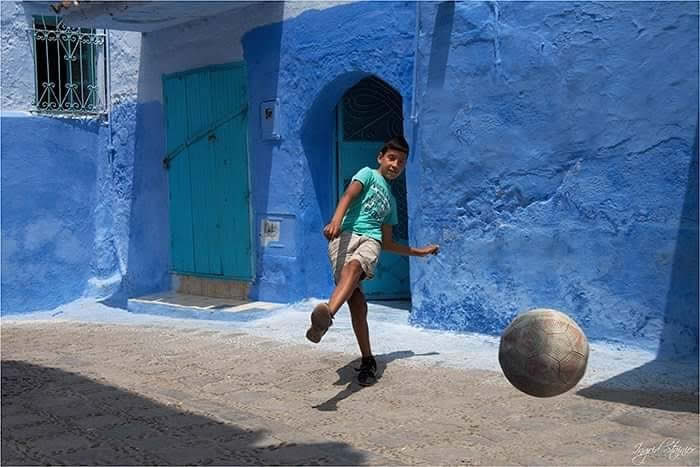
<point>391,163</point>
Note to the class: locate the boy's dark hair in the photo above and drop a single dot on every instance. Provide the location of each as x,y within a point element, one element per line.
<point>397,143</point>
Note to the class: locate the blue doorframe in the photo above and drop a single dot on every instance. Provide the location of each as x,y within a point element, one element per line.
<point>206,113</point>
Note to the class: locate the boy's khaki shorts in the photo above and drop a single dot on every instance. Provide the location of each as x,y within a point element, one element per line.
<point>350,246</point>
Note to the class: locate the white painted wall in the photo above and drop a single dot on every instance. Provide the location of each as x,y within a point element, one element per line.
<point>138,61</point>
<point>209,41</point>
<point>17,61</point>
<point>17,64</point>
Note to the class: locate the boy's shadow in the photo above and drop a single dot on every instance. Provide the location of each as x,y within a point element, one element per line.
<point>347,376</point>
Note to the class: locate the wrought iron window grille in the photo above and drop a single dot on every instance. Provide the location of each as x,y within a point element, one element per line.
<point>70,68</point>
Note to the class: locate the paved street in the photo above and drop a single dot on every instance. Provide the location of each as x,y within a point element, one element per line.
<point>79,393</point>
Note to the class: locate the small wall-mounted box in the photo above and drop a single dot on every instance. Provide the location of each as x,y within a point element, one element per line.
<point>277,234</point>
<point>270,120</point>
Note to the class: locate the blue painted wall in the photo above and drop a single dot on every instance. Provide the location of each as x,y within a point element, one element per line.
<point>134,200</point>
<point>308,63</point>
<point>79,220</point>
<point>49,172</point>
<point>82,199</point>
<point>558,155</point>
<point>554,160</point>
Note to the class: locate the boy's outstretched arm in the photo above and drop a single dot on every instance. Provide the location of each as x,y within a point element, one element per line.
<point>388,244</point>
<point>353,190</point>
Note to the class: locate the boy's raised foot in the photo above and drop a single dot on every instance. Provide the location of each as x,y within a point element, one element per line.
<point>321,320</point>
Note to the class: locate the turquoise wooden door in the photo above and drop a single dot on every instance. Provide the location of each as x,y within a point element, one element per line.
<point>368,115</point>
<point>207,158</point>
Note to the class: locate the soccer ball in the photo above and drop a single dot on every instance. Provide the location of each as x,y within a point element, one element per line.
<point>543,353</point>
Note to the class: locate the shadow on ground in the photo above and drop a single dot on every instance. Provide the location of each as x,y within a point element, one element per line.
<point>639,387</point>
<point>346,376</point>
<point>50,416</point>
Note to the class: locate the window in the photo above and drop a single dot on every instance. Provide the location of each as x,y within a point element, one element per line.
<point>372,111</point>
<point>70,68</point>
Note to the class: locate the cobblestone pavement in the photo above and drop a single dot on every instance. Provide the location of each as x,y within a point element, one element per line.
<point>78,393</point>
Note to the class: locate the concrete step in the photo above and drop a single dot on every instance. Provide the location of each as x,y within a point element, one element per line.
<point>211,287</point>
<point>187,306</point>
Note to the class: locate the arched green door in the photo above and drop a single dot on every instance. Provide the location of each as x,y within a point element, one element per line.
<point>369,114</point>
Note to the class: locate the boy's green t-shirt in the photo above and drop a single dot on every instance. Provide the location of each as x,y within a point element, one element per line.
<point>373,207</point>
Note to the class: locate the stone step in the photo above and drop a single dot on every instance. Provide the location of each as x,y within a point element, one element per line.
<point>187,306</point>
<point>211,287</point>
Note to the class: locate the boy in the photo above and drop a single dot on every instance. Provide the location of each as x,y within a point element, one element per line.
<point>359,229</point>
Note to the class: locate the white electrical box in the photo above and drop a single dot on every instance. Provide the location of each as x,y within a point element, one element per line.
<point>270,119</point>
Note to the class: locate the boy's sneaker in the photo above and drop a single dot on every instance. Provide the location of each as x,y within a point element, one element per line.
<point>366,375</point>
<point>321,320</point>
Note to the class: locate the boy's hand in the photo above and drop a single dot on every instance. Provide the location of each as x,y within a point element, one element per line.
<point>428,250</point>
<point>332,230</point>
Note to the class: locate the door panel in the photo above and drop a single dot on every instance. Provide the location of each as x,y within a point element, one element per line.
<point>180,207</point>
<point>392,275</point>
<point>206,131</point>
<point>231,146</point>
<point>372,120</point>
<point>235,230</point>
<point>204,206</point>
<point>198,97</point>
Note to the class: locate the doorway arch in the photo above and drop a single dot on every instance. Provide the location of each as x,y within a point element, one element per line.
<point>367,115</point>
